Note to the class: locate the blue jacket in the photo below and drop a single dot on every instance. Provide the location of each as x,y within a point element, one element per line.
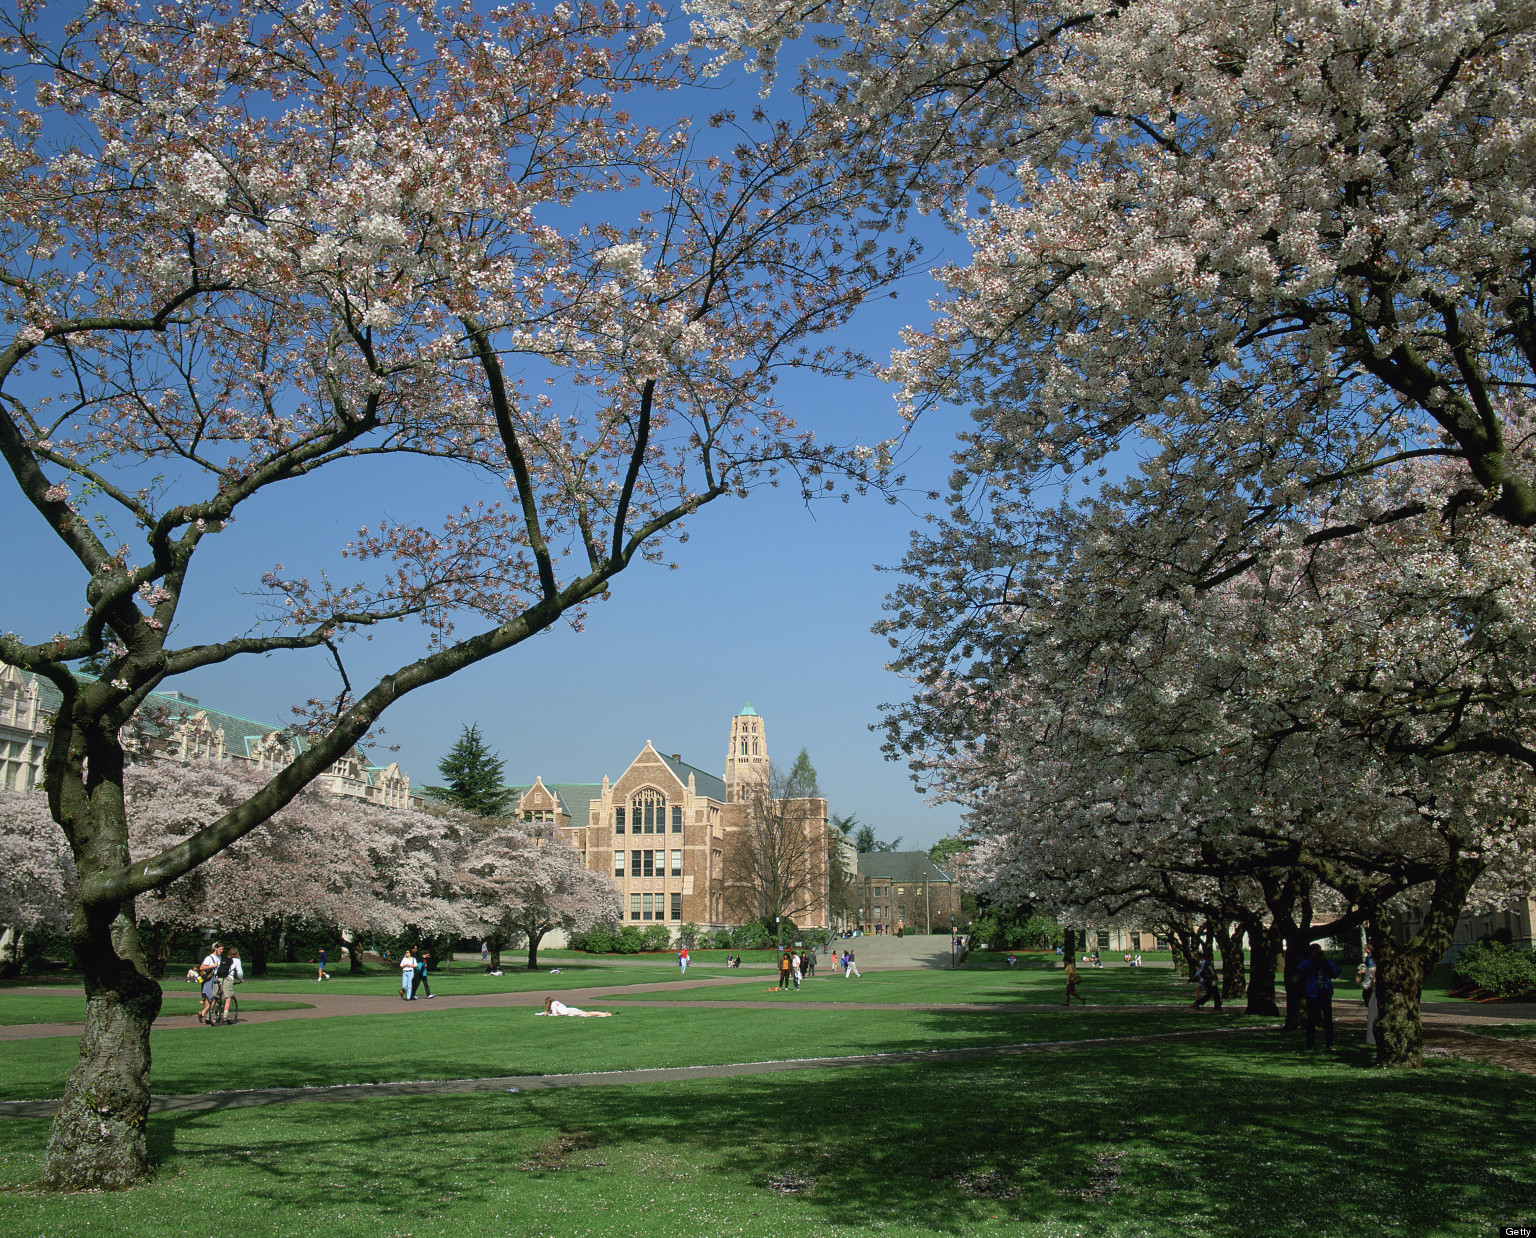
<point>1319,980</point>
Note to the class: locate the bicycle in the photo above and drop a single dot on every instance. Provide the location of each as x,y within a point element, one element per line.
<point>218,1013</point>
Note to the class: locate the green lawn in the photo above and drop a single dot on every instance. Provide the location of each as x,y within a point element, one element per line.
<point>430,1042</point>
<point>69,1007</point>
<point>1225,1139</point>
<point>377,982</point>
<point>1106,986</point>
<point>1508,1031</point>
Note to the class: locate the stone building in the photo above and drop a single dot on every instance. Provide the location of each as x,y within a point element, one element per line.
<point>903,890</point>
<point>662,830</point>
<point>180,727</point>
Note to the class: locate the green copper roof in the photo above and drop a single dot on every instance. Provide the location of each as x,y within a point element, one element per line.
<point>746,711</point>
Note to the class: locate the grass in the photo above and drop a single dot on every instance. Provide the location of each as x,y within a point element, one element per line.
<point>1110,986</point>
<point>69,1007</point>
<point>1225,1139</point>
<point>428,1042</point>
<point>1508,1031</point>
<point>377,982</point>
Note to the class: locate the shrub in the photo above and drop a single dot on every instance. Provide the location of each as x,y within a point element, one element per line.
<point>655,937</point>
<point>602,939</point>
<point>688,935</point>
<point>630,940</point>
<point>750,937</point>
<point>721,939</point>
<point>1498,969</point>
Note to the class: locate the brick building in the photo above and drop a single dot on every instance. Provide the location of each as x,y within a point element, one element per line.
<point>662,829</point>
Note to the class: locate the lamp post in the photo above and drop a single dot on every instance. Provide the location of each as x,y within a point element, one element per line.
<point>778,928</point>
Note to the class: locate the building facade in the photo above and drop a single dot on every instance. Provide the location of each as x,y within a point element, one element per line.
<point>180,727</point>
<point>664,829</point>
<point>903,890</point>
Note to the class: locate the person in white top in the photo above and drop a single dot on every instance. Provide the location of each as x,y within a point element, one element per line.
<point>553,1007</point>
<point>230,974</point>
<point>407,976</point>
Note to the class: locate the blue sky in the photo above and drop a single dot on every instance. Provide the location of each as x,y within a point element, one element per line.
<point>772,602</point>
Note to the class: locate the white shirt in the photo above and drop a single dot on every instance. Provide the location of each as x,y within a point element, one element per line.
<point>236,972</point>
<point>211,964</point>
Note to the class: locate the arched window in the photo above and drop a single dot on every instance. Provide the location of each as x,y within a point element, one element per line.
<point>648,812</point>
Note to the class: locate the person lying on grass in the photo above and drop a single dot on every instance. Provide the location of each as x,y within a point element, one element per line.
<point>551,1006</point>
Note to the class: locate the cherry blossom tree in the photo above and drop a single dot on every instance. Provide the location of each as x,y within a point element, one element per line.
<point>1279,744</point>
<point>1278,252</point>
<point>245,245</point>
<point>515,882</point>
<point>321,858</point>
<point>38,890</point>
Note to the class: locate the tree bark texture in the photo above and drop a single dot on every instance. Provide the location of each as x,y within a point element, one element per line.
<point>1265,952</point>
<point>1234,978</point>
<point>535,935</point>
<point>98,1140</point>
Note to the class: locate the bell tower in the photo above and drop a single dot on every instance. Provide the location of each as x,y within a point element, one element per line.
<point>746,760</point>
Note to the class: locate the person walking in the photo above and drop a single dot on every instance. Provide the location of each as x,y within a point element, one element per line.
<point>1318,972</point>
<point>230,974</point>
<point>852,968</point>
<point>1207,980</point>
<point>423,963</point>
<point>407,975</point>
<point>682,960</point>
<point>1366,975</point>
<point>208,978</point>
<point>810,964</point>
<point>1073,980</point>
<point>321,973</point>
<point>795,971</point>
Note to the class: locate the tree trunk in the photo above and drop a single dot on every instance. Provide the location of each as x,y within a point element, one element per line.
<point>1298,943</point>
<point>98,1138</point>
<point>1399,1020</point>
<point>1265,946</point>
<point>354,952</point>
<point>257,945</point>
<point>1234,980</point>
<point>1069,945</point>
<point>535,935</point>
<point>159,942</point>
<point>11,946</point>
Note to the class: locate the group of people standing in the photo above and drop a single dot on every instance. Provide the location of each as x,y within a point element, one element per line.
<point>414,965</point>
<point>794,967</point>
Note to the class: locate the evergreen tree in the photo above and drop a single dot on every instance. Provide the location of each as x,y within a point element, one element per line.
<point>473,776</point>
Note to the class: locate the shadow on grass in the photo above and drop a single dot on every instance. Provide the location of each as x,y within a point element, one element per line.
<point>1227,1138</point>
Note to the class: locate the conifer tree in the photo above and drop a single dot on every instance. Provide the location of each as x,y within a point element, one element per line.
<point>473,776</point>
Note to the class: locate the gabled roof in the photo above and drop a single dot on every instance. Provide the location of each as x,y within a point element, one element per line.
<point>241,735</point>
<point>703,784</point>
<point>908,866</point>
<point>575,797</point>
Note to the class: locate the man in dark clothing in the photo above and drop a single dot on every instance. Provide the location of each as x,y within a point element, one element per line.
<point>1210,986</point>
<point>1317,972</point>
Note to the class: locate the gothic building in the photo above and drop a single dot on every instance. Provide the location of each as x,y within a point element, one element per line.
<point>180,728</point>
<point>664,829</point>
